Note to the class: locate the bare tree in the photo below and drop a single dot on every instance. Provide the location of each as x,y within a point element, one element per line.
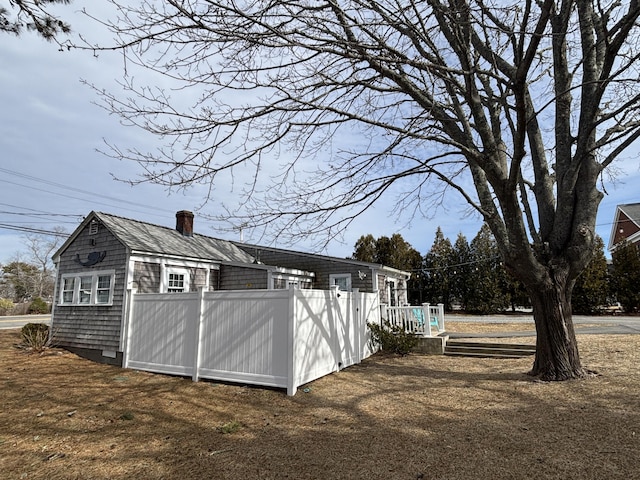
<point>531,100</point>
<point>40,250</point>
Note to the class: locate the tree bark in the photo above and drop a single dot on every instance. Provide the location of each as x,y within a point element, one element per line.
<point>557,357</point>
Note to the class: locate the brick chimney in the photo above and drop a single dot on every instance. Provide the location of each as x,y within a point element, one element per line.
<point>184,223</point>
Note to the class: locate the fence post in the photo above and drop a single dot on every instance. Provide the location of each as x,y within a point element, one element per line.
<point>292,382</point>
<point>198,335</point>
<point>128,318</point>
<point>426,315</point>
<point>383,314</point>
<point>441,316</point>
<point>334,314</point>
<point>357,322</point>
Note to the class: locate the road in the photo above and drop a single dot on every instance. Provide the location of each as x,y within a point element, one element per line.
<point>606,325</point>
<point>19,321</point>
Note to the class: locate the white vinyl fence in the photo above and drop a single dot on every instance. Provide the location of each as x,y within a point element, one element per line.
<point>279,338</point>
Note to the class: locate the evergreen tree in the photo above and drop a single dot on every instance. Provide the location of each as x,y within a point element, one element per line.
<point>34,15</point>
<point>489,292</point>
<point>437,263</point>
<point>365,249</point>
<point>592,286</point>
<point>461,267</point>
<point>626,276</point>
<point>518,296</point>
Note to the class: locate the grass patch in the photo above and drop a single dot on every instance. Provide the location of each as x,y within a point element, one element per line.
<point>230,427</point>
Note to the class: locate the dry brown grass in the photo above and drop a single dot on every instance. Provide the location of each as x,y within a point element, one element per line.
<point>388,418</point>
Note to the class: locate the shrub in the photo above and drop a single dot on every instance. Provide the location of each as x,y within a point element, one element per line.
<point>6,305</point>
<point>38,306</point>
<point>392,338</point>
<point>35,336</point>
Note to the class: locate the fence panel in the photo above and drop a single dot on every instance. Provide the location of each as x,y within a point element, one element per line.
<point>163,336</point>
<point>244,337</point>
<point>368,312</point>
<point>314,337</point>
<point>330,331</point>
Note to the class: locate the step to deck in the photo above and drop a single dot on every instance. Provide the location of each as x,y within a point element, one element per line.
<point>488,350</point>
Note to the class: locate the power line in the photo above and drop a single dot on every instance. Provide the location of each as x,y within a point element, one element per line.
<point>33,230</point>
<point>71,189</point>
<point>41,214</point>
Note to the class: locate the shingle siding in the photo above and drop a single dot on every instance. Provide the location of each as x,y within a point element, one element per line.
<point>146,277</point>
<point>94,326</point>
<point>322,267</point>
<point>241,278</point>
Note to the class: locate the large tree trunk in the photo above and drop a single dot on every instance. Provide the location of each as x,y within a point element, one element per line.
<point>557,356</point>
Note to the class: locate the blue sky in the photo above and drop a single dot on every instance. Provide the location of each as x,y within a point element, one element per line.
<point>51,173</point>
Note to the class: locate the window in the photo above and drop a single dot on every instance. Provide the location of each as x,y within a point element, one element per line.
<point>68,287</point>
<point>85,289</point>
<point>103,291</point>
<point>393,298</point>
<point>281,282</point>
<point>82,289</point>
<point>176,283</point>
<point>176,280</point>
<point>342,281</point>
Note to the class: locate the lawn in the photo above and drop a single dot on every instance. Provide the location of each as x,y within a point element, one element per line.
<point>430,417</point>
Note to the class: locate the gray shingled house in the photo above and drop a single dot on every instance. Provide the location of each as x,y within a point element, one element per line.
<point>107,256</point>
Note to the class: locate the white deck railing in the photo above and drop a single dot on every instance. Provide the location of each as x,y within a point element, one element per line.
<point>426,319</point>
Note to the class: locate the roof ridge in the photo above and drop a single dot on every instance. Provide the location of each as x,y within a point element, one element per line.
<point>143,222</point>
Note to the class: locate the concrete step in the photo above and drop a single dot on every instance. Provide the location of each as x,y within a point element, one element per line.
<point>488,350</point>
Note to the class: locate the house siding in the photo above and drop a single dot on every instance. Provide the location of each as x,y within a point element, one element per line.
<point>146,277</point>
<point>625,228</point>
<point>322,267</point>
<point>91,326</point>
<point>239,278</point>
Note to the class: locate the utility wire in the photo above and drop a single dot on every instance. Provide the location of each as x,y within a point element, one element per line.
<point>33,230</point>
<point>73,189</point>
<point>67,187</point>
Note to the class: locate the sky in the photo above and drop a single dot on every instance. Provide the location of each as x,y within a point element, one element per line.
<point>52,173</point>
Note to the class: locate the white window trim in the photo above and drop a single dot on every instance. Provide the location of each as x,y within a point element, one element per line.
<point>164,287</point>
<point>334,276</point>
<point>290,280</point>
<point>175,263</point>
<point>93,295</point>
